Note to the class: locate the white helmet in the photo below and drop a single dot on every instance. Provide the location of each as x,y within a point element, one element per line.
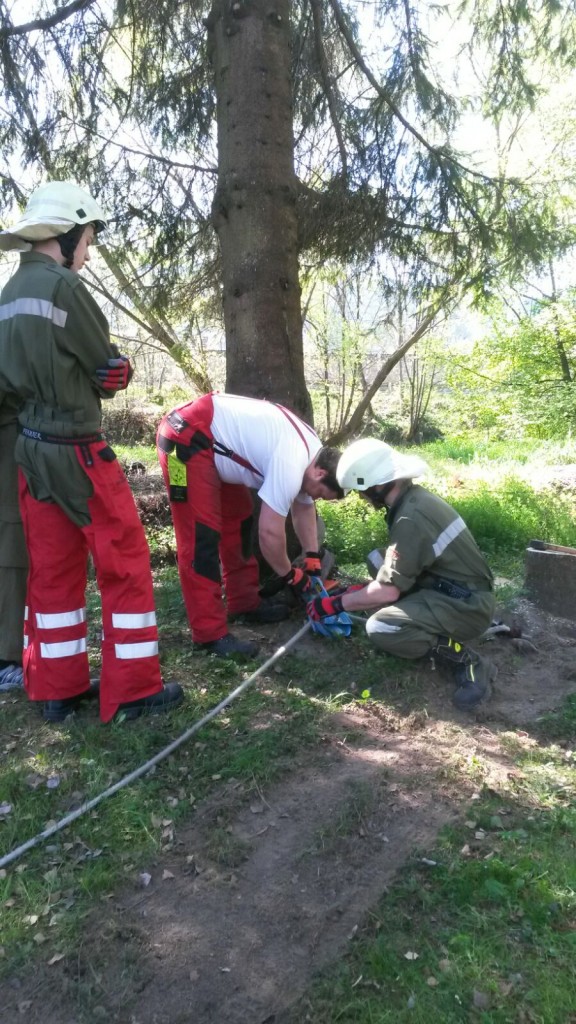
<point>370,462</point>
<point>52,210</point>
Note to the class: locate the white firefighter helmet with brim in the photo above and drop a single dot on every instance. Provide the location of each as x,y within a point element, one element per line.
<point>370,462</point>
<point>52,210</point>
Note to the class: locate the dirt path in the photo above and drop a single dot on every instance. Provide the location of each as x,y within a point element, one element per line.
<point>263,889</point>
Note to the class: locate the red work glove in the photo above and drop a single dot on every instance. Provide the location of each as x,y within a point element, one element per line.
<point>320,607</point>
<point>116,375</point>
<point>312,563</point>
<point>300,582</point>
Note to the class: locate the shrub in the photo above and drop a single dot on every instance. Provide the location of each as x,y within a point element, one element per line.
<point>130,424</point>
<point>353,527</point>
<point>505,519</point>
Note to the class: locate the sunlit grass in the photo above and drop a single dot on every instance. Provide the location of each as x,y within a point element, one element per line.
<point>483,928</point>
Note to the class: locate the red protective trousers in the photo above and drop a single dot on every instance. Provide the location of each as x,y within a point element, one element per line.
<point>55,656</point>
<point>212,523</point>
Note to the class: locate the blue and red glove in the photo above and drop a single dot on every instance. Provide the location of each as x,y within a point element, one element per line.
<point>116,375</point>
<point>300,583</point>
<point>312,563</point>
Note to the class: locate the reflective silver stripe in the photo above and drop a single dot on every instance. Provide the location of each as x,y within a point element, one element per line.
<point>448,535</point>
<point>26,612</point>
<point>26,642</point>
<point>134,621</point>
<point>65,650</point>
<point>34,307</point>
<point>58,620</point>
<point>125,652</point>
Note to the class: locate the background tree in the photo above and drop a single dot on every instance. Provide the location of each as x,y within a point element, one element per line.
<point>298,133</point>
<point>518,379</point>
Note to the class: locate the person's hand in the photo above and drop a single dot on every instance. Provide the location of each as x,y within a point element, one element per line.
<point>116,375</point>
<point>312,563</point>
<point>300,583</point>
<point>320,607</point>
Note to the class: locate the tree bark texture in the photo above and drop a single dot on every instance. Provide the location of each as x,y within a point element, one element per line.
<point>254,209</point>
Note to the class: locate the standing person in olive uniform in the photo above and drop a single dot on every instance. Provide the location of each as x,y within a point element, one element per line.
<point>432,585</point>
<point>57,360</point>
<point>13,558</point>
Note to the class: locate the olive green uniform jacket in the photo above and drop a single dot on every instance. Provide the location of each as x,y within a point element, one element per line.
<point>53,337</point>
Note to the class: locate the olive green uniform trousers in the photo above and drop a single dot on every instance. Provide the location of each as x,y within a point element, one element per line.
<point>13,558</point>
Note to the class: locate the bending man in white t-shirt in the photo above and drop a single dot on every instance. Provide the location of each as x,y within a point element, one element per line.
<point>212,451</point>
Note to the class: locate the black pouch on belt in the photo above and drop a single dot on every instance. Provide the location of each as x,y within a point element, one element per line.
<point>451,589</point>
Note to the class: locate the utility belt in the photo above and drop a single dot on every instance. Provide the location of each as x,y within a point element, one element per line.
<point>450,588</point>
<point>39,435</point>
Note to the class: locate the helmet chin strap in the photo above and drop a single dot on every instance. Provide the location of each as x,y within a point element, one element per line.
<point>378,498</point>
<point>68,243</point>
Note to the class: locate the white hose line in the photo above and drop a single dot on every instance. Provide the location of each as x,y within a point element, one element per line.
<point>138,772</point>
<point>357,618</point>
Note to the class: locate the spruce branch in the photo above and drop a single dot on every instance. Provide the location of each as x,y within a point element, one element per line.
<point>39,24</point>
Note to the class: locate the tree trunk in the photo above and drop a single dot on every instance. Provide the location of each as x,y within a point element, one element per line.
<point>254,209</point>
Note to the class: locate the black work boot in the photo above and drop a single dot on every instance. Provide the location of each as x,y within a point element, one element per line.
<point>473,673</point>
<point>170,696</point>
<point>474,683</point>
<point>266,611</point>
<point>228,646</point>
<point>60,710</point>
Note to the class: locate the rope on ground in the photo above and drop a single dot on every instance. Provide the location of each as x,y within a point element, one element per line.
<point>138,772</point>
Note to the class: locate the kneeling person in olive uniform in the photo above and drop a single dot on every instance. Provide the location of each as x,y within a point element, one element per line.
<point>432,585</point>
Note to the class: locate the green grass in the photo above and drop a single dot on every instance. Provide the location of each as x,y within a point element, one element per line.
<point>471,911</point>
<point>492,920</point>
<point>47,771</point>
<point>476,448</point>
<point>502,510</point>
<point>146,454</point>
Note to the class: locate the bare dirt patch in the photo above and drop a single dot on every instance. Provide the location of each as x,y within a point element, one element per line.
<point>263,888</point>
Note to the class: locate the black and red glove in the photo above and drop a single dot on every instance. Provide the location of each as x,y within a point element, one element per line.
<point>320,607</point>
<point>116,375</point>
<point>300,583</point>
<point>312,563</point>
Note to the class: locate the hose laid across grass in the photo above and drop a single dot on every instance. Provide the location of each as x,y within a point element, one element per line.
<point>138,772</point>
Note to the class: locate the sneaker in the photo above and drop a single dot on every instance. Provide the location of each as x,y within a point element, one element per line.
<point>11,677</point>
<point>60,710</point>
<point>266,611</point>
<point>170,696</point>
<point>475,684</point>
<point>229,645</point>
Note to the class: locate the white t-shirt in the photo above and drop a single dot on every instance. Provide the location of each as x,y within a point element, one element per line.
<point>278,444</point>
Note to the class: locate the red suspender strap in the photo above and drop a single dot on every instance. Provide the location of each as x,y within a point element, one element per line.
<point>294,421</point>
<point>220,449</point>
